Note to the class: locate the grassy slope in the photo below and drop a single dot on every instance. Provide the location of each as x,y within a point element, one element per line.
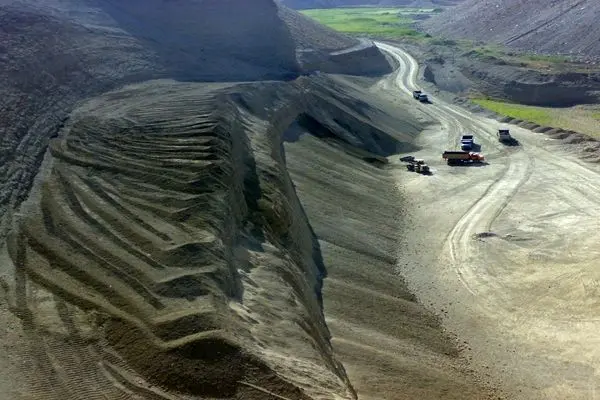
<point>539,115</point>
<point>380,22</point>
<point>584,119</point>
<point>543,62</point>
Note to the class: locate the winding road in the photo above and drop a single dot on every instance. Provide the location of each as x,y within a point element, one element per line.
<point>516,269</point>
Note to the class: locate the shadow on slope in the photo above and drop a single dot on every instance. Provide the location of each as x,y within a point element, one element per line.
<point>48,64</point>
<point>213,39</point>
<point>56,53</point>
<point>390,345</point>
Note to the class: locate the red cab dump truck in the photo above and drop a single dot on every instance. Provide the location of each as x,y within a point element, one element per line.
<point>462,157</point>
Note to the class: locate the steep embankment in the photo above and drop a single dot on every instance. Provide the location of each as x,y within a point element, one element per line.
<point>513,81</point>
<point>565,27</point>
<point>55,53</point>
<point>169,213</point>
<point>391,346</point>
<point>168,255</point>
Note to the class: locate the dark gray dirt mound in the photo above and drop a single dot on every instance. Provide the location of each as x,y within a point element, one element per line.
<point>169,212</point>
<point>54,53</point>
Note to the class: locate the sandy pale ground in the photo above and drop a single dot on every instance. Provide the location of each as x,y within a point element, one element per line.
<point>507,252</point>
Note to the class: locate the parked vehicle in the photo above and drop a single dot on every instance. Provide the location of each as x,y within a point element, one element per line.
<point>504,135</point>
<point>419,95</point>
<point>466,142</point>
<point>462,157</point>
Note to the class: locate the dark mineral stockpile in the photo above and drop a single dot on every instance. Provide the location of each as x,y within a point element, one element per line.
<point>57,52</point>
<point>157,214</point>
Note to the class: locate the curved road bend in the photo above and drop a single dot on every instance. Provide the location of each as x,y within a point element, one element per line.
<point>532,282</point>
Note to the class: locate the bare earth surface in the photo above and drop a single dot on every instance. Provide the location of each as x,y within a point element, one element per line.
<point>169,253</point>
<point>391,346</point>
<point>566,27</point>
<point>249,241</point>
<point>506,252</point>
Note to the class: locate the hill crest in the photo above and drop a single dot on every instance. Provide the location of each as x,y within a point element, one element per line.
<point>558,27</point>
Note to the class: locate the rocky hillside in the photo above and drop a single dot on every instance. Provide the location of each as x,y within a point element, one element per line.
<point>452,69</point>
<point>307,4</point>
<point>565,27</point>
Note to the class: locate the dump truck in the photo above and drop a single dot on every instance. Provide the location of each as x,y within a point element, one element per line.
<point>419,95</point>
<point>504,135</point>
<point>462,157</point>
<point>466,142</point>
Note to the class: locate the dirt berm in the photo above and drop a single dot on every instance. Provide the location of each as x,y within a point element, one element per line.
<point>167,255</point>
<point>56,53</point>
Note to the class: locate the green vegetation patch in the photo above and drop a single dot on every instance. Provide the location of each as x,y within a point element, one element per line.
<point>583,119</point>
<point>539,115</point>
<point>380,22</point>
<point>546,58</point>
<point>497,53</point>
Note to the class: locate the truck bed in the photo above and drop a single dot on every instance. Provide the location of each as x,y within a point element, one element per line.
<point>455,154</point>
<point>462,155</point>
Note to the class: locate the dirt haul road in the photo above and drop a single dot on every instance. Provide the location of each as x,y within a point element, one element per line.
<point>507,252</point>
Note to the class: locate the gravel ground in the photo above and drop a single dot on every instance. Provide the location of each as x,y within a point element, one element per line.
<point>504,252</point>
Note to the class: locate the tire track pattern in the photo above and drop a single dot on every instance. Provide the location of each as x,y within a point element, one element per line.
<point>483,212</point>
<point>158,219</point>
<point>578,187</point>
<point>480,217</point>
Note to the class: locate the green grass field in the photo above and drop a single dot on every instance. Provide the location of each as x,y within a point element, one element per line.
<point>377,22</point>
